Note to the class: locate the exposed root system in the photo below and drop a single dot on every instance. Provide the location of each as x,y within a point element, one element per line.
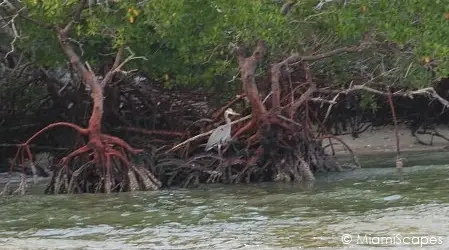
<point>278,141</point>
<point>280,137</point>
<point>103,163</point>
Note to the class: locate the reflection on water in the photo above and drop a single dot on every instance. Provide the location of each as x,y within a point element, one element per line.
<point>374,201</point>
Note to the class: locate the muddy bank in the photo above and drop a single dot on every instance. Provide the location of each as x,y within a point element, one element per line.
<point>382,140</point>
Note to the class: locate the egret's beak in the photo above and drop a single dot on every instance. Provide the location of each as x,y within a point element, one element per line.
<point>233,113</point>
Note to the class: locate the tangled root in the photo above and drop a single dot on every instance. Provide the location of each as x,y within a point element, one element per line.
<point>101,165</point>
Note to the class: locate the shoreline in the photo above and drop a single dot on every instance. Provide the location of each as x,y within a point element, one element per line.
<point>376,142</point>
<point>383,141</point>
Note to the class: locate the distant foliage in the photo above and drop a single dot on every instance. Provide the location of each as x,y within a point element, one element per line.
<point>419,29</point>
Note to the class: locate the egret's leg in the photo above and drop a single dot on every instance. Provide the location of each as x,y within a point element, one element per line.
<point>233,146</point>
<point>219,154</point>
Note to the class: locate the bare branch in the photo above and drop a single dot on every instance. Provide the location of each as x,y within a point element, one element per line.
<point>247,68</point>
<point>13,10</point>
<point>15,33</point>
<point>299,58</point>
<point>429,92</point>
<point>72,56</point>
<point>321,100</point>
<point>118,57</point>
<point>80,45</point>
<point>117,67</point>
<point>322,2</point>
<point>330,108</point>
<point>7,4</point>
<point>295,58</point>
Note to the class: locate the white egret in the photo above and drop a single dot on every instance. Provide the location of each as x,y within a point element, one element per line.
<point>222,134</point>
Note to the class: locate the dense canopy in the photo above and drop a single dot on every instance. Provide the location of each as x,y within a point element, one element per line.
<point>191,42</point>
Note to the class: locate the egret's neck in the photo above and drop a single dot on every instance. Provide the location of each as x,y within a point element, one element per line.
<point>227,119</point>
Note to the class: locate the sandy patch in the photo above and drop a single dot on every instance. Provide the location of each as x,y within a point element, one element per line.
<point>383,140</point>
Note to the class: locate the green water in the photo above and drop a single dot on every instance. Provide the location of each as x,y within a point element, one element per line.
<point>375,201</point>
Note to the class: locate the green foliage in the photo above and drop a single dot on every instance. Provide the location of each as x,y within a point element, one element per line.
<point>191,42</point>
<point>418,27</point>
<point>368,101</point>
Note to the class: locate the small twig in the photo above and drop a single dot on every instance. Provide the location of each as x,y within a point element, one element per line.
<point>34,146</point>
<point>288,120</point>
<point>321,100</point>
<point>408,70</point>
<point>151,132</point>
<point>268,96</point>
<point>118,66</point>
<point>89,68</point>
<point>211,54</point>
<point>80,45</point>
<point>330,108</point>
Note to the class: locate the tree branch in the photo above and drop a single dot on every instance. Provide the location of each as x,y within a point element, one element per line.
<point>15,33</point>
<point>79,10</point>
<point>117,67</point>
<point>247,67</point>
<point>73,57</point>
<point>76,17</point>
<point>295,58</point>
<point>430,91</point>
